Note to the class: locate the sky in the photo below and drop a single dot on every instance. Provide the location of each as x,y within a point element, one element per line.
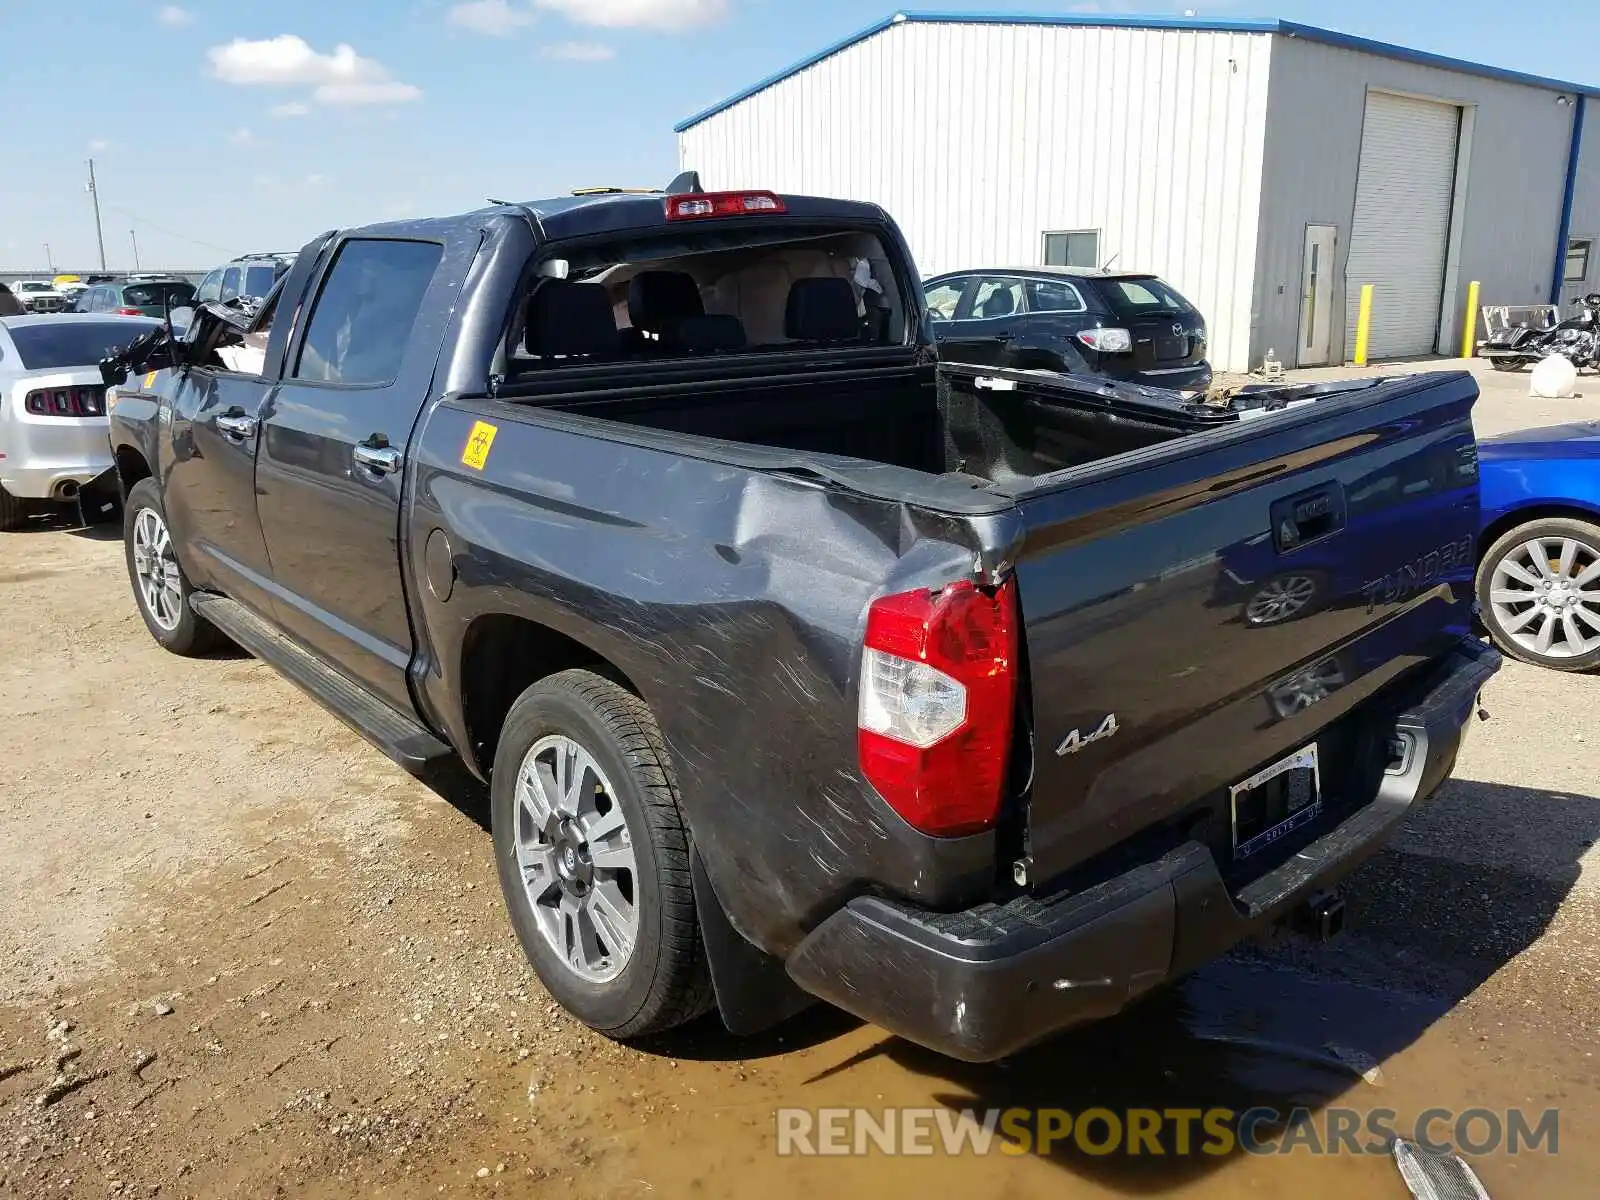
<point>223,127</point>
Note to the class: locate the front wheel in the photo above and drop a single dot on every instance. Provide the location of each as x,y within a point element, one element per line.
<point>1506,364</point>
<point>1539,593</point>
<point>159,584</point>
<point>593,856</point>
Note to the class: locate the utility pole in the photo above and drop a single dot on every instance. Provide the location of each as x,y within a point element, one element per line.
<point>134,238</point>
<point>100,236</point>
<point>49,259</point>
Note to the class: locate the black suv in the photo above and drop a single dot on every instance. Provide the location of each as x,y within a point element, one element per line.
<point>247,275</point>
<point>1132,327</point>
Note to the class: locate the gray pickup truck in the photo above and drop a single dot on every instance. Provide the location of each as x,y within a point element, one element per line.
<point>798,664</point>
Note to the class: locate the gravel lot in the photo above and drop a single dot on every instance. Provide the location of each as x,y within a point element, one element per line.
<point>241,954</point>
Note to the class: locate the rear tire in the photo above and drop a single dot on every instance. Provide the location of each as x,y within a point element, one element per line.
<point>12,511</point>
<point>1521,613</point>
<point>637,964</point>
<point>1502,364</point>
<point>160,587</point>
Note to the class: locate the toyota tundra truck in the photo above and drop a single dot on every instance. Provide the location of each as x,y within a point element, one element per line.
<point>800,665</point>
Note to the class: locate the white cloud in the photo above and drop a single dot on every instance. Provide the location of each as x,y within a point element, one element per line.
<point>291,108</point>
<point>241,137</point>
<point>343,77</point>
<point>173,16</point>
<point>652,14</point>
<point>389,91</point>
<point>99,145</point>
<point>497,18</point>
<point>589,52</point>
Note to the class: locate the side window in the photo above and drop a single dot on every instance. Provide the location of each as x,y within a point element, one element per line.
<point>230,284</point>
<point>997,298</point>
<point>210,288</point>
<point>942,298</point>
<point>1051,295</point>
<point>362,317</point>
<point>100,299</point>
<point>258,281</point>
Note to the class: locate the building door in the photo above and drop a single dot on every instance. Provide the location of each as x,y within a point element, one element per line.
<point>1405,187</point>
<point>1316,297</point>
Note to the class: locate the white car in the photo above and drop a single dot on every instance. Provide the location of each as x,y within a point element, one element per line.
<point>39,295</point>
<point>53,426</point>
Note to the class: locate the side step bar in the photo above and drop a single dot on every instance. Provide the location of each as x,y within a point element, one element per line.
<point>392,731</point>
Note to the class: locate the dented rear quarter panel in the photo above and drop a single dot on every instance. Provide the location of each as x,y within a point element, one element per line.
<point>734,600</point>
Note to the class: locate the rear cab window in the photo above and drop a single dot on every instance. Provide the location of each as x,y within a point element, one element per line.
<point>362,317</point>
<point>704,292</point>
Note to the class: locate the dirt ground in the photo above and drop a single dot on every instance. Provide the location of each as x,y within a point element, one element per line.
<point>243,955</point>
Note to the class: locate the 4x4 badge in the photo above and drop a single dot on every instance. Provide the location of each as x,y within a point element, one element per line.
<point>1077,740</point>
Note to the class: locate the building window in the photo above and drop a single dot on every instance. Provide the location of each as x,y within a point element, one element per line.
<point>1578,259</point>
<point>1072,248</point>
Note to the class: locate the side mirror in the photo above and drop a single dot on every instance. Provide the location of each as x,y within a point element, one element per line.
<point>113,371</point>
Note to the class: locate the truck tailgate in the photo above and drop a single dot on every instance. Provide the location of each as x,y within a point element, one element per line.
<point>1198,611</point>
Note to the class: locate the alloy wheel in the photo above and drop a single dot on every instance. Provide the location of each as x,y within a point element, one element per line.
<point>1544,596</point>
<point>576,858</point>
<point>156,568</point>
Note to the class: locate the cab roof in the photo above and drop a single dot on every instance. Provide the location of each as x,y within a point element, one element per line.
<point>562,217</point>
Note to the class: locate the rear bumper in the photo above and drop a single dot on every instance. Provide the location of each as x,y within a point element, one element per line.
<point>46,454</point>
<point>1193,378</point>
<point>981,984</point>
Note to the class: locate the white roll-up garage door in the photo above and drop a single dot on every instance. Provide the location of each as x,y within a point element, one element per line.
<point>1401,230</point>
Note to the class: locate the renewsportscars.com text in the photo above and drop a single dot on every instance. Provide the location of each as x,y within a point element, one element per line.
<point>1160,1131</point>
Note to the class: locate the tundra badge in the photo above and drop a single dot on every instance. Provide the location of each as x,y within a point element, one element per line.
<point>1077,740</point>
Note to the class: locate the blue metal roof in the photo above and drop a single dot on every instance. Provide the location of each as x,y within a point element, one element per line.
<point>1205,24</point>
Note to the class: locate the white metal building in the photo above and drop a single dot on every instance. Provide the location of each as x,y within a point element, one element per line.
<point>1266,169</point>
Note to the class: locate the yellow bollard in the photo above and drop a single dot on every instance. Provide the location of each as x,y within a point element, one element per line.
<point>1363,324</point>
<point>1469,327</point>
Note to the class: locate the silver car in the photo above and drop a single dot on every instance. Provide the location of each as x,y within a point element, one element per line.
<point>53,424</point>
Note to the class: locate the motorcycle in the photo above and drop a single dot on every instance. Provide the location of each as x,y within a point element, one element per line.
<point>1577,339</point>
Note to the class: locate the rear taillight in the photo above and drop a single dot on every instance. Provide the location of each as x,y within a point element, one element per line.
<point>130,312</point>
<point>721,204</point>
<point>66,402</point>
<point>1107,341</point>
<point>938,688</point>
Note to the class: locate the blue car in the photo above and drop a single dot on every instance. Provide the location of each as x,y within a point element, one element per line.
<point>1538,581</point>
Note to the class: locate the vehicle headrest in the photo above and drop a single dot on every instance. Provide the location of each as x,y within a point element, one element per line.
<point>999,304</point>
<point>708,332</point>
<point>657,299</point>
<point>821,310</point>
<point>570,319</point>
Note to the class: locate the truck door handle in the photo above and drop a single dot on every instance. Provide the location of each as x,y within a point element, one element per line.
<point>237,426</point>
<point>382,459</point>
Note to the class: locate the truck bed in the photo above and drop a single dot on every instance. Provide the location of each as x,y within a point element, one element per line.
<point>997,426</point>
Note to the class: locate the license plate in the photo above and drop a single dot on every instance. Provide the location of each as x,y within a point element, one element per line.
<point>1276,801</point>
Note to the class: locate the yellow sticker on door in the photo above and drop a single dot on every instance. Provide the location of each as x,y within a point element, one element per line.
<point>150,381</point>
<point>479,441</point>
